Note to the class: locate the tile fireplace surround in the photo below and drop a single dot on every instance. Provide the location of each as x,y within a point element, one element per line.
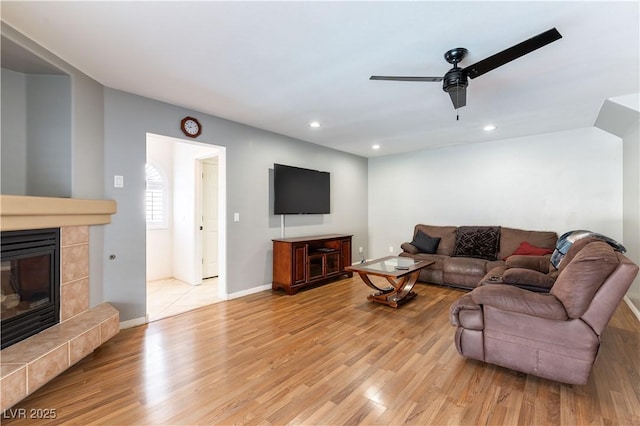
<point>31,363</point>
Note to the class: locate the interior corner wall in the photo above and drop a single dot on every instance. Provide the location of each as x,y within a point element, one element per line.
<point>87,151</point>
<point>87,167</point>
<point>250,155</point>
<point>557,181</point>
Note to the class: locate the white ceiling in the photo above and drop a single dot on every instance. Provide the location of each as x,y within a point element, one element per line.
<point>279,65</point>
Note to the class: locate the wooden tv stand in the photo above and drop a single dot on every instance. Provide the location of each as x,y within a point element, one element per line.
<point>306,261</point>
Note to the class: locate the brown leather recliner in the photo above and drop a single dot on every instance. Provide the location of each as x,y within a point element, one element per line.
<point>555,335</point>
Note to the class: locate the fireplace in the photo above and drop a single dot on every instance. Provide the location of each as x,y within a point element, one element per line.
<point>30,283</point>
<point>36,360</point>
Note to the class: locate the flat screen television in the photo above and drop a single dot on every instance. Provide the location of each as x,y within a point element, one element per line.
<point>300,191</point>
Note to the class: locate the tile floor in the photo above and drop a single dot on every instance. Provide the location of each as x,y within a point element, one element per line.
<point>170,297</point>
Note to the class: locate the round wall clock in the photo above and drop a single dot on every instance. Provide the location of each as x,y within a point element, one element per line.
<point>191,127</point>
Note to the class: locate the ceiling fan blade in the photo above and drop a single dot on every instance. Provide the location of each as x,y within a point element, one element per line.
<point>384,77</point>
<point>512,53</point>
<point>458,97</point>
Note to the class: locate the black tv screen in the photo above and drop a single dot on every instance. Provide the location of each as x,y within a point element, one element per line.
<point>300,191</point>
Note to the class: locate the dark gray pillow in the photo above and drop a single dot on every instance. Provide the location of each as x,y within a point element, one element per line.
<point>425,243</point>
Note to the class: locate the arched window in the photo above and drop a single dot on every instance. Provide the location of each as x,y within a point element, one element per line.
<point>156,198</point>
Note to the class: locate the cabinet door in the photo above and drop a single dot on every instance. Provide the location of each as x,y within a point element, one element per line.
<point>316,267</point>
<point>299,263</point>
<point>332,264</point>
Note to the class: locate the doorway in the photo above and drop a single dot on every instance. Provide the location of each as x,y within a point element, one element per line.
<point>186,255</point>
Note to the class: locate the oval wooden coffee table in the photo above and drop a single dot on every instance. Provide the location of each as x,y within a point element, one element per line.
<point>401,272</point>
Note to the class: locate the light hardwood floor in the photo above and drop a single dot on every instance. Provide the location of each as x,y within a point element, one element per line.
<point>328,356</point>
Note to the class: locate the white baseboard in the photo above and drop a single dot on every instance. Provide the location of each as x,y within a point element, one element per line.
<point>134,322</point>
<point>633,308</point>
<point>248,291</point>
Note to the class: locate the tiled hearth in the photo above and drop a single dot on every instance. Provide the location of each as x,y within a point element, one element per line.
<point>31,363</point>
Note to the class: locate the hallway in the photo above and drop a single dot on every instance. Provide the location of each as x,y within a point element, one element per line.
<point>169,297</point>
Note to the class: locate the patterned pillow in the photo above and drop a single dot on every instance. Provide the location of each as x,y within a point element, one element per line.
<point>482,242</point>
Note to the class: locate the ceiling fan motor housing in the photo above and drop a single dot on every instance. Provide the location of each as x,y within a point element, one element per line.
<point>455,79</point>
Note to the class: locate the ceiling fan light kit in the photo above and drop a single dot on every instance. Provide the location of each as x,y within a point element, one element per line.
<point>455,81</point>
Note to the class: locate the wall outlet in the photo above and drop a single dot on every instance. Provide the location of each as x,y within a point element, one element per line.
<point>390,249</point>
<point>360,249</point>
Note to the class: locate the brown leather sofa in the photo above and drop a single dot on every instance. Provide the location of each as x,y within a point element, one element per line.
<point>466,269</point>
<point>555,335</point>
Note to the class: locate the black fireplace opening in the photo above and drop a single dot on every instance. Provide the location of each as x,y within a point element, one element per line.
<point>30,283</point>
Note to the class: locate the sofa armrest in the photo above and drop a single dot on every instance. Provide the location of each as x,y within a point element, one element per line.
<point>528,277</point>
<point>410,248</point>
<point>515,299</point>
<point>536,263</point>
<point>466,313</point>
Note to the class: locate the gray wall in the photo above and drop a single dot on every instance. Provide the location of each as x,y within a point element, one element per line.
<point>87,166</point>
<point>250,154</point>
<point>36,134</point>
<point>14,134</point>
<point>49,135</point>
<point>84,162</point>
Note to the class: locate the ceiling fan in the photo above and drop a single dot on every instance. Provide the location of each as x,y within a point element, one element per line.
<point>455,80</point>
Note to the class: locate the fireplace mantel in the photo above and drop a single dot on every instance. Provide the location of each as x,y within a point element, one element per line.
<point>27,212</point>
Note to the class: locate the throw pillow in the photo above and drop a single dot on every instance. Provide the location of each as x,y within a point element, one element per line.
<point>425,243</point>
<point>526,249</point>
<point>482,242</point>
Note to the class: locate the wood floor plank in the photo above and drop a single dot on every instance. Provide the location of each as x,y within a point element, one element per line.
<point>328,356</point>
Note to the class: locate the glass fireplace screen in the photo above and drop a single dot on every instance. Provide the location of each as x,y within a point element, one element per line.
<point>29,283</point>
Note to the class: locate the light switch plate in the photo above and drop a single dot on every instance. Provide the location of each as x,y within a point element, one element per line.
<point>118,181</point>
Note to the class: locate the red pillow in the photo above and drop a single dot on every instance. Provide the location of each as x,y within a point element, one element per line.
<point>526,249</point>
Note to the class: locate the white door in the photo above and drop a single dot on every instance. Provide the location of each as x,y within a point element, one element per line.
<point>209,218</point>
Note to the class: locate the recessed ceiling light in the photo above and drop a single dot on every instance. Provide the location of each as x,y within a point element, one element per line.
<point>314,124</point>
<point>489,127</point>
<point>376,146</point>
